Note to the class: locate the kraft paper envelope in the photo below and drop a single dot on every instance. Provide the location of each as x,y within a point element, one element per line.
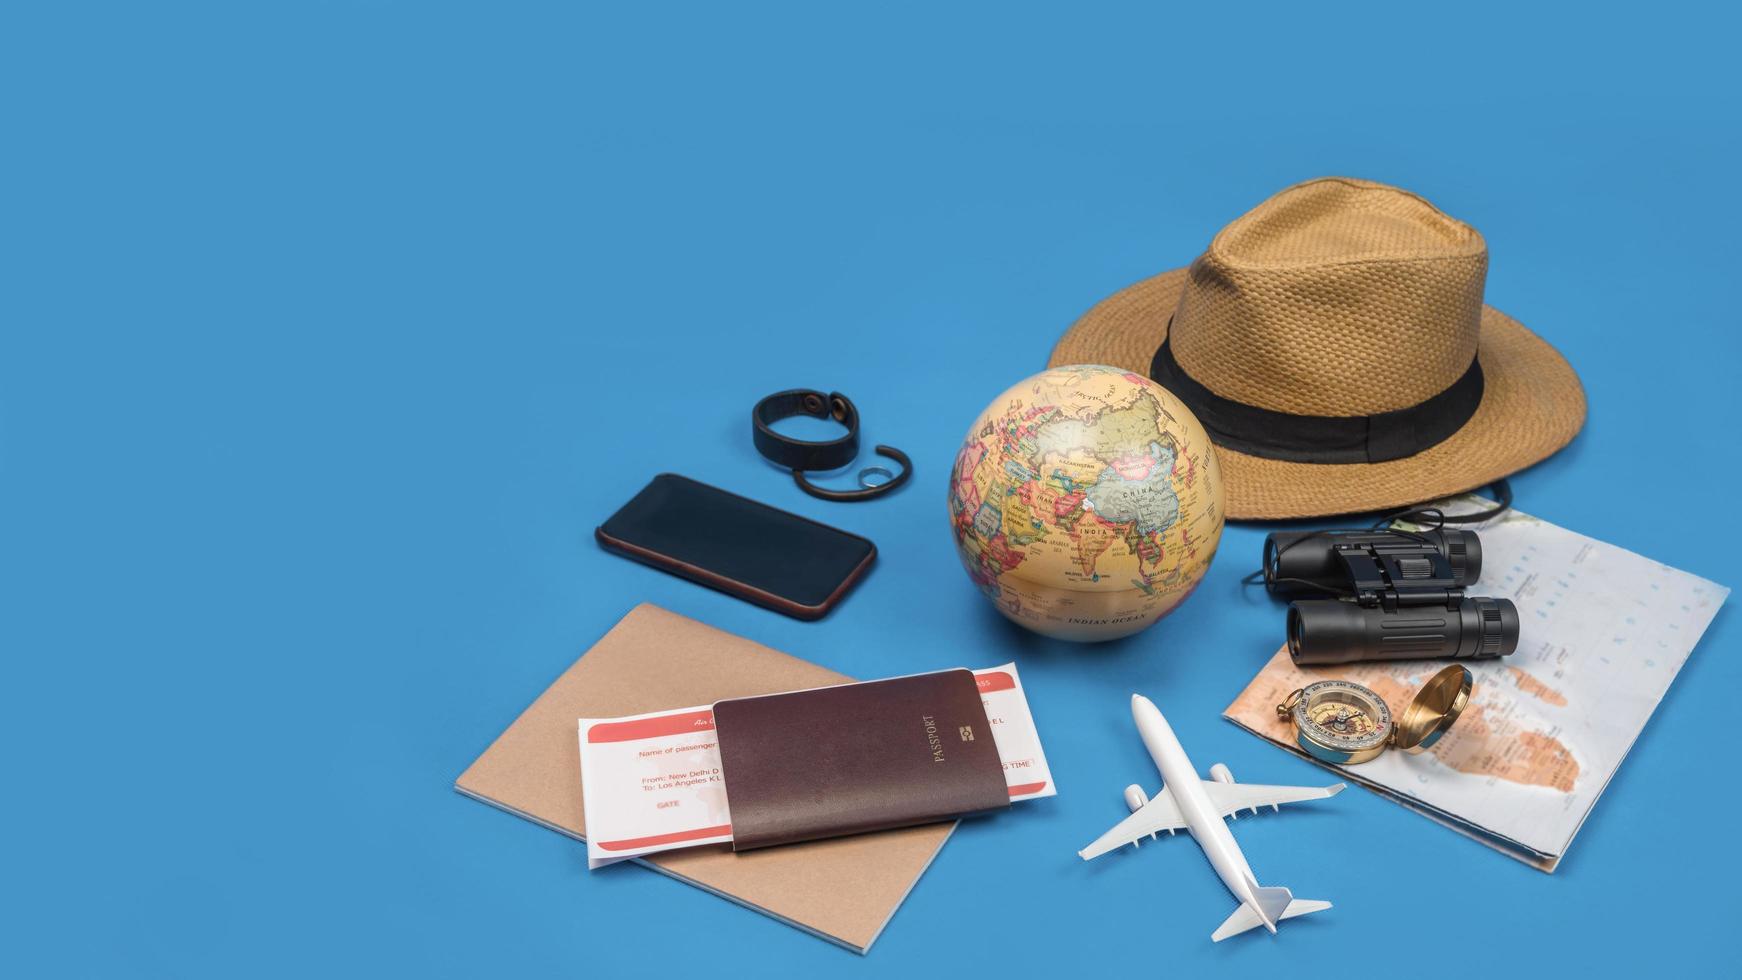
<point>843,890</point>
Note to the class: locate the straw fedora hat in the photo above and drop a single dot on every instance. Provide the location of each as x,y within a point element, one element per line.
<point>1334,344</point>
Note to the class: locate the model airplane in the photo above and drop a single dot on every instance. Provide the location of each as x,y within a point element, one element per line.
<point>1200,806</point>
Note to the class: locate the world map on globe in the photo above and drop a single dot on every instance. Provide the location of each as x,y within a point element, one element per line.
<point>1086,502</point>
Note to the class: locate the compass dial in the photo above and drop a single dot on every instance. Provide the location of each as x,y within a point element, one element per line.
<point>1341,721</point>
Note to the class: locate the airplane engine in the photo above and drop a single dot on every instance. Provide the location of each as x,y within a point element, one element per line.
<point>1221,773</point>
<point>1135,797</point>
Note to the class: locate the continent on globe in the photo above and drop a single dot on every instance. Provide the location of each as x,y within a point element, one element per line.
<point>1086,502</point>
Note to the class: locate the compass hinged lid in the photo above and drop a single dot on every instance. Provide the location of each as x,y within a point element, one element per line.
<point>1434,708</point>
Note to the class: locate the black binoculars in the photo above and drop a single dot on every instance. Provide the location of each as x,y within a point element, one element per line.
<point>1399,596</point>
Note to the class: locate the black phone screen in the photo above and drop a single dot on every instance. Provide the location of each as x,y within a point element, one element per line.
<point>737,545</point>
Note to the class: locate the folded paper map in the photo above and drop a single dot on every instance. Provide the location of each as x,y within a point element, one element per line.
<point>1602,634</point>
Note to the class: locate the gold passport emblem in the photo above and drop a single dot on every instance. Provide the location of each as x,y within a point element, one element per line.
<point>931,737</point>
<point>967,733</point>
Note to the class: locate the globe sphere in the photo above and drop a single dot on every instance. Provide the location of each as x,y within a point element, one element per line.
<point>1086,503</point>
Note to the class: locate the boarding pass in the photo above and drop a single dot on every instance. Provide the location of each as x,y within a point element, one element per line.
<point>653,782</point>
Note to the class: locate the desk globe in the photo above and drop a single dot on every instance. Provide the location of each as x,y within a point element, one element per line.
<point>1086,502</point>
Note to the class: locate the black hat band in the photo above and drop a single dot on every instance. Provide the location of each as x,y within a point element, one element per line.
<point>1322,438</point>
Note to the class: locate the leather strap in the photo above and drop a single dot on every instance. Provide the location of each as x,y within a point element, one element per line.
<point>799,455</point>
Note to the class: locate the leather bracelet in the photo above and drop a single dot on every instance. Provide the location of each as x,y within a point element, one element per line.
<point>799,455</point>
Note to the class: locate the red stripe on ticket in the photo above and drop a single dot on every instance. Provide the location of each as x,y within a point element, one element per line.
<point>629,731</point>
<point>1026,788</point>
<point>682,835</point>
<point>994,680</point>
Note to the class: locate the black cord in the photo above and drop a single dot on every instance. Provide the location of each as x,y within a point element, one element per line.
<point>1503,503</point>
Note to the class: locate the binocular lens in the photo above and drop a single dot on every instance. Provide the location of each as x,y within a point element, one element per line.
<point>1331,631</point>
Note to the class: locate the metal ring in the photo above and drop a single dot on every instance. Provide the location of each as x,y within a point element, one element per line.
<point>882,471</point>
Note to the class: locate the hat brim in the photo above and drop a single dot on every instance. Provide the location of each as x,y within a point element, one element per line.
<point>1532,405</point>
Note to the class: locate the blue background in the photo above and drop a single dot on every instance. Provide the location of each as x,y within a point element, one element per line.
<point>331,331</point>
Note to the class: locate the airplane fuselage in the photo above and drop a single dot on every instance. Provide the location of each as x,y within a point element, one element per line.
<point>1203,821</point>
<point>1201,807</point>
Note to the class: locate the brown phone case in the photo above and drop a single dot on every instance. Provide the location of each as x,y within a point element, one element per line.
<point>843,760</point>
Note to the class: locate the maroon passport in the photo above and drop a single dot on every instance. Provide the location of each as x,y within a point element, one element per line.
<point>856,758</point>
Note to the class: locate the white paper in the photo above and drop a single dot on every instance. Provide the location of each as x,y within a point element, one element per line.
<point>650,783</point>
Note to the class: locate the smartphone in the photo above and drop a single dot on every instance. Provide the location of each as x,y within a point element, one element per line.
<point>781,561</point>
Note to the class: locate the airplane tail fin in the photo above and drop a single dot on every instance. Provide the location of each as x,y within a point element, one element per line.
<point>1301,906</point>
<point>1271,902</point>
<point>1271,906</point>
<point>1244,918</point>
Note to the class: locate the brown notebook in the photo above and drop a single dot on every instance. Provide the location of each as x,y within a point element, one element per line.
<point>843,890</point>
<point>857,758</point>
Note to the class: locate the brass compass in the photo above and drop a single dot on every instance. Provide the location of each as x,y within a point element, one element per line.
<point>1346,723</point>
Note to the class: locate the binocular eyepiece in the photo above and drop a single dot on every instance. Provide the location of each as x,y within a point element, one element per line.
<point>1307,563</point>
<point>1394,595</point>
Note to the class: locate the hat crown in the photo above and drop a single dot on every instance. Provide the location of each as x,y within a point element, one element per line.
<point>1335,297</point>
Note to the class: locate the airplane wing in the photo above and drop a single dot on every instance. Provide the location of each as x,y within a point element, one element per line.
<point>1153,817</point>
<point>1230,798</point>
